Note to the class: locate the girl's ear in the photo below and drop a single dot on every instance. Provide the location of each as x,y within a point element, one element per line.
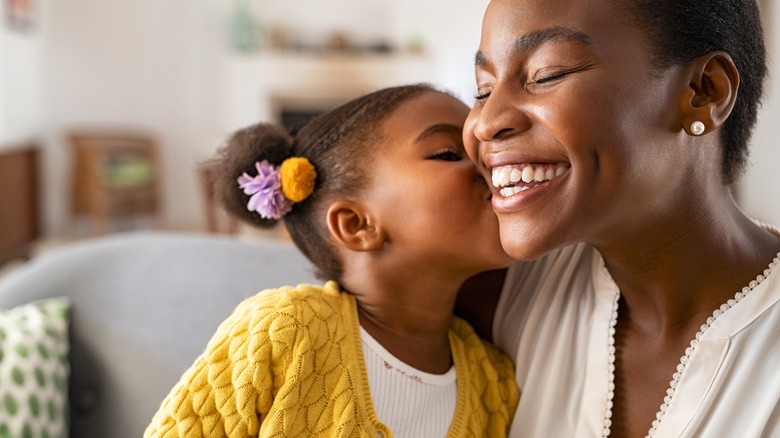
<point>711,93</point>
<point>353,227</point>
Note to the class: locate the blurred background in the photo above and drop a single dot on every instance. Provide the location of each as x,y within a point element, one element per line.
<point>107,106</point>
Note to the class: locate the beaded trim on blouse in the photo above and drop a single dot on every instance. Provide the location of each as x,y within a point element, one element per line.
<point>683,360</point>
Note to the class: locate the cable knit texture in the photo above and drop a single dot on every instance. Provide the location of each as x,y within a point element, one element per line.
<point>289,363</point>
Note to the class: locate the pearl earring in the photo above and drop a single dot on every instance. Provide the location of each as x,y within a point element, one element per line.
<point>697,128</point>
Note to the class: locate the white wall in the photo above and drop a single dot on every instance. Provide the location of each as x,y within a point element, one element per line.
<point>452,33</point>
<point>760,188</point>
<point>21,70</point>
<point>158,66</point>
<point>141,64</point>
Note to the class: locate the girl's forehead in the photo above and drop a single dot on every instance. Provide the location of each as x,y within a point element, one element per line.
<point>415,116</point>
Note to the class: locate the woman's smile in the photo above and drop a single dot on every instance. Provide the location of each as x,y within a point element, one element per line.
<point>519,185</point>
<point>513,179</point>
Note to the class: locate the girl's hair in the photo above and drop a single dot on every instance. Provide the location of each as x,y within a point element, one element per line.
<point>339,143</point>
<point>681,30</point>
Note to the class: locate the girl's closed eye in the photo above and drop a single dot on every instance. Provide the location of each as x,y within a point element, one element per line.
<point>447,155</point>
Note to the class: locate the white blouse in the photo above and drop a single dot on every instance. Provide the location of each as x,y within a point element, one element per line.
<point>553,319</point>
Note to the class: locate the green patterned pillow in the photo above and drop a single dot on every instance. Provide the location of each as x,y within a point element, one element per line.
<point>34,369</point>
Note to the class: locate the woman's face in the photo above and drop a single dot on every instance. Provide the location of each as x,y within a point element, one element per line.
<point>426,192</point>
<point>572,125</point>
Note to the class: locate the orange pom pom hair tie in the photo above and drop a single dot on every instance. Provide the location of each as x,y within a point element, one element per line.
<point>273,190</point>
<point>297,175</point>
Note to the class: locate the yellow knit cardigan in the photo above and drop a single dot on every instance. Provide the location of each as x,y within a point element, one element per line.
<point>289,363</point>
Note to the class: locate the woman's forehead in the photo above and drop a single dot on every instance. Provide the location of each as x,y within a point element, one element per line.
<point>517,17</point>
<point>519,25</point>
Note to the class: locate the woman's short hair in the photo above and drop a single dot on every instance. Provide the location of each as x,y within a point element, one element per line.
<point>682,30</point>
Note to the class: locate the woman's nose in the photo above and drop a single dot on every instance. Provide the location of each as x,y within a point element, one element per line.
<point>499,116</point>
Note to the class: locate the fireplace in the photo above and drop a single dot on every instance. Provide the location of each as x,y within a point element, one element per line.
<point>293,112</point>
<point>290,88</point>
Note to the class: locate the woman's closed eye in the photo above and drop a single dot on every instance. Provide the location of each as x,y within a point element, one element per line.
<point>546,79</point>
<point>447,155</point>
<point>551,76</point>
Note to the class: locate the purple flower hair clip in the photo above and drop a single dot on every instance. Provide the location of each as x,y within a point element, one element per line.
<point>265,190</point>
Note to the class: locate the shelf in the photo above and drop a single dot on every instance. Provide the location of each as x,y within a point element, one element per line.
<point>115,175</point>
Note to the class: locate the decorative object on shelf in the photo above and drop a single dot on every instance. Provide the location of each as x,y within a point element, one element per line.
<point>19,14</point>
<point>277,38</point>
<point>417,42</point>
<point>338,41</point>
<point>244,31</point>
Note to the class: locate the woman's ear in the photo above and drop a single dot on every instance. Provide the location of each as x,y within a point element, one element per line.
<point>353,227</point>
<point>712,91</point>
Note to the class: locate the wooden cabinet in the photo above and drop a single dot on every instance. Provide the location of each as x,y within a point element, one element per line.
<point>19,201</point>
<point>115,176</point>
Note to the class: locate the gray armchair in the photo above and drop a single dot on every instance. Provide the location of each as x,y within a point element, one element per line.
<point>144,306</point>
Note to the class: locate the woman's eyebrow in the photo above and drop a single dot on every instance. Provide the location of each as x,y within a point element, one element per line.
<point>437,128</point>
<point>533,40</point>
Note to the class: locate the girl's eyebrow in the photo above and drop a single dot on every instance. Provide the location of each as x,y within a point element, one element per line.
<point>533,40</point>
<point>437,128</point>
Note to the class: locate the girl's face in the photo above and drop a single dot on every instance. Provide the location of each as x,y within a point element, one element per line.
<point>426,192</point>
<point>573,126</point>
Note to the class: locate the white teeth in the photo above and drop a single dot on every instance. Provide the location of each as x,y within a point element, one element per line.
<point>509,191</point>
<point>503,176</point>
<point>516,176</point>
<point>520,177</point>
<point>539,174</point>
<point>528,174</point>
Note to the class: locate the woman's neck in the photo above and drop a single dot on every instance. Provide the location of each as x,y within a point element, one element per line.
<point>675,272</point>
